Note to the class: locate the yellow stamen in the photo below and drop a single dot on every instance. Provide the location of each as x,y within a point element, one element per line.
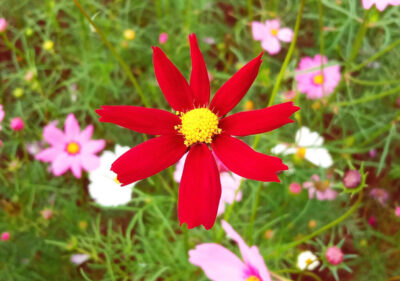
<point>253,278</point>
<point>274,32</point>
<point>309,261</point>
<point>319,79</point>
<point>73,148</point>
<point>249,105</point>
<point>301,152</point>
<point>198,125</point>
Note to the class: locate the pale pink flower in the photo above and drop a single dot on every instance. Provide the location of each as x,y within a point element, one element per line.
<point>5,236</point>
<point>220,264</point>
<point>320,189</point>
<point>79,259</point>
<point>380,4</point>
<point>72,149</point>
<point>352,178</point>
<point>17,124</point>
<point>230,182</point>
<point>312,81</point>
<point>372,153</point>
<point>3,25</point>
<point>295,188</point>
<point>334,255</point>
<point>163,38</point>
<point>397,211</point>
<point>270,34</point>
<point>47,214</point>
<point>380,195</point>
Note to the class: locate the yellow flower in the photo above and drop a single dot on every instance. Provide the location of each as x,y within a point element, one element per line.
<point>18,92</point>
<point>48,45</point>
<point>129,34</point>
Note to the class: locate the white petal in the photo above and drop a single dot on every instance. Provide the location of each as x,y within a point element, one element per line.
<point>306,138</point>
<point>319,157</point>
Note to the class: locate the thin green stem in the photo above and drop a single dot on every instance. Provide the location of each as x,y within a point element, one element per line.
<point>368,98</point>
<point>372,83</point>
<point>115,53</point>
<point>359,39</point>
<point>250,10</point>
<point>253,213</point>
<point>11,46</point>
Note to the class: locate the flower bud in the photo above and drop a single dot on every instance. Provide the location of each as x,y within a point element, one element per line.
<point>334,255</point>
<point>352,178</point>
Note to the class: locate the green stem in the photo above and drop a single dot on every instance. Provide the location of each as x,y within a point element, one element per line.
<point>116,55</point>
<point>253,213</point>
<point>359,39</point>
<point>11,46</point>
<point>368,98</point>
<point>250,10</point>
<point>372,83</point>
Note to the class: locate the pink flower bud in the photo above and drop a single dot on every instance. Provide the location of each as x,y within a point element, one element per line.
<point>17,124</point>
<point>372,153</point>
<point>47,214</point>
<point>5,236</point>
<point>334,255</point>
<point>163,38</point>
<point>352,178</point>
<point>295,188</point>
<point>3,25</point>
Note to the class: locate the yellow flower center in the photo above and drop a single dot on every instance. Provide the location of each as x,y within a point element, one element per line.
<point>301,152</point>
<point>129,34</point>
<point>253,278</point>
<point>274,32</point>
<point>73,148</point>
<point>322,185</point>
<point>309,261</point>
<point>319,79</point>
<point>198,125</point>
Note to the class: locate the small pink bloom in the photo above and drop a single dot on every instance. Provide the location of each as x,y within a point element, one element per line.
<point>72,149</point>
<point>319,189</point>
<point>397,211</point>
<point>312,81</point>
<point>380,4</point>
<point>334,255</point>
<point>5,236</point>
<point>220,264</point>
<point>47,214</point>
<point>352,178</point>
<point>380,195</point>
<point>79,259</point>
<point>270,34</point>
<point>1,113</point>
<point>372,221</point>
<point>163,38</point>
<point>289,95</point>
<point>372,153</point>
<point>230,182</point>
<point>295,188</point>
<point>3,25</point>
<point>17,124</point>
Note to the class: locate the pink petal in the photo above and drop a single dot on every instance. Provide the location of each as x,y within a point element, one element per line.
<point>76,167</point>
<point>218,263</point>
<point>86,134</point>
<point>61,164</point>
<point>53,135</point>
<point>381,5</point>
<point>90,162</point>
<point>271,45</point>
<point>71,127</point>
<point>285,34</point>
<point>93,146</point>
<point>48,154</point>
<point>259,30</point>
<point>272,24</point>
<point>367,4</point>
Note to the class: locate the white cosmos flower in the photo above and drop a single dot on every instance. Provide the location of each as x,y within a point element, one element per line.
<point>307,261</point>
<point>104,187</point>
<point>308,145</point>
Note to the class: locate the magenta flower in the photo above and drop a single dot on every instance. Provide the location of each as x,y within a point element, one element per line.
<point>17,124</point>
<point>295,188</point>
<point>220,264</point>
<point>72,149</point>
<point>334,255</point>
<point>230,182</point>
<point>163,38</point>
<point>380,195</point>
<point>5,236</point>
<point>312,81</point>
<point>320,189</point>
<point>3,25</point>
<point>270,33</point>
<point>380,4</point>
<point>1,114</point>
<point>352,179</point>
<point>397,211</point>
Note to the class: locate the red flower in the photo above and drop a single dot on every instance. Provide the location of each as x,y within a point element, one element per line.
<point>198,126</point>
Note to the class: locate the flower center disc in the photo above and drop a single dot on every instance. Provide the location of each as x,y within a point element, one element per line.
<point>319,79</point>
<point>73,148</point>
<point>253,278</point>
<point>274,32</point>
<point>198,125</point>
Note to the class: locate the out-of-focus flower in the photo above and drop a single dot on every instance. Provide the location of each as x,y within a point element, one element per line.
<point>380,195</point>
<point>220,264</point>
<point>209,40</point>
<point>28,31</point>
<point>104,187</point>
<point>83,225</point>
<point>269,234</point>
<point>312,81</point>
<point>307,261</point>
<point>29,75</point>
<point>18,92</point>
<point>308,145</point>
<point>2,114</point>
<point>397,211</point>
<point>47,214</point>
<point>352,178</point>
<point>372,221</point>
<point>312,224</point>
<point>14,165</point>
<point>163,38</point>
<point>295,188</point>
<point>380,4</point>
<point>34,147</point>
<point>129,34</point>
<point>79,259</point>
<point>17,124</point>
<point>270,34</point>
<point>48,45</point>
<point>334,255</point>
<point>71,149</point>
<point>3,25</point>
<point>5,236</point>
<point>319,189</point>
<point>372,153</point>
<point>249,105</point>
<point>289,95</point>
<point>230,182</point>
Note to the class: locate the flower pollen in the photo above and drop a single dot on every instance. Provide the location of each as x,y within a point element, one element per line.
<point>318,79</point>
<point>253,278</point>
<point>198,125</point>
<point>274,32</point>
<point>301,152</point>
<point>73,148</point>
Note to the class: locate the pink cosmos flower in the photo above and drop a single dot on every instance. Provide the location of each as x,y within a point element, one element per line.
<point>334,255</point>
<point>320,189</point>
<point>270,34</point>
<point>163,38</point>
<point>380,4</point>
<point>17,124</point>
<point>397,211</point>
<point>5,236</point>
<point>220,264</point>
<point>230,182</point>
<point>380,195</point>
<point>295,188</point>
<point>311,81</point>
<point>1,114</point>
<point>72,149</point>
<point>3,25</point>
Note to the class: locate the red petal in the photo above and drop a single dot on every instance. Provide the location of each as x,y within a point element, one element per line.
<point>199,81</point>
<point>258,121</point>
<point>200,188</point>
<point>244,161</point>
<point>230,94</point>
<point>140,119</point>
<point>148,158</point>
<point>172,83</point>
